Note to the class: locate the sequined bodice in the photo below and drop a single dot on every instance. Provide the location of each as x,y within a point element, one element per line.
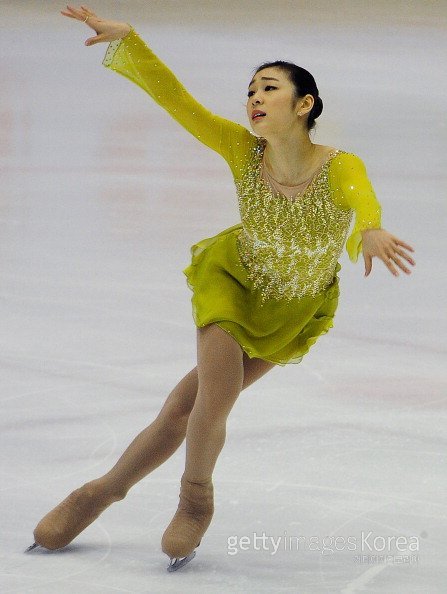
<point>289,247</point>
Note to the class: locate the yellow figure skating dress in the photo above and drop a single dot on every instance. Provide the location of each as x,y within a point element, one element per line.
<point>271,280</point>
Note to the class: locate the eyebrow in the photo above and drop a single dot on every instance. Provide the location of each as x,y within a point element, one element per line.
<point>264,78</point>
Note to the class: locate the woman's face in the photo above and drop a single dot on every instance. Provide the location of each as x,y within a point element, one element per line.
<point>271,103</point>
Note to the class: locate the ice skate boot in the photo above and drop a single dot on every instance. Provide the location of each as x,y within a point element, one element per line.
<point>68,519</point>
<point>190,522</point>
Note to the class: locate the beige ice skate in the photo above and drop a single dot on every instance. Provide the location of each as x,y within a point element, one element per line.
<point>68,519</point>
<point>190,522</point>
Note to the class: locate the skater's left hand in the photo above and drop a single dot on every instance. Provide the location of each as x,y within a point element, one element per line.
<point>387,247</point>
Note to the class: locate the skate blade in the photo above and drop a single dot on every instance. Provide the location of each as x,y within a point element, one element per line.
<point>178,563</point>
<point>33,546</point>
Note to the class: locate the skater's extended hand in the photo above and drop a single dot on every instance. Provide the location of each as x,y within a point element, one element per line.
<point>106,31</point>
<point>387,247</point>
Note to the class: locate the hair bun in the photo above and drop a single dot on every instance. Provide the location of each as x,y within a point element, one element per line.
<point>318,107</point>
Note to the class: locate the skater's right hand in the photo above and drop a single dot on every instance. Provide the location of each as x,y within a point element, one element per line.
<point>106,31</point>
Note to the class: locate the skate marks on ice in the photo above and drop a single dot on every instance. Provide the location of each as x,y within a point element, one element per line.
<point>365,579</point>
<point>55,571</point>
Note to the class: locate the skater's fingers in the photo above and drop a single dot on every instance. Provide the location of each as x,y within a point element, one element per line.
<point>368,262</point>
<point>97,39</point>
<point>80,15</point>
<point>105,30</point>
<point>403,244</point>
<point>68,14</point>
<point>401,265</point>
<point>76,12</point>
<point>88,10</point>
<point>405,255</point>
<point>389,263</point>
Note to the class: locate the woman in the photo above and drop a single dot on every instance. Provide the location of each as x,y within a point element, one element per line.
<point>263,290</point>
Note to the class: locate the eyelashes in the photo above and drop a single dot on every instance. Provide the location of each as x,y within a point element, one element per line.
<point>267,88</point>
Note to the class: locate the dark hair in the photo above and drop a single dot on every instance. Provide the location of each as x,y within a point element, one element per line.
<point>304,84</point>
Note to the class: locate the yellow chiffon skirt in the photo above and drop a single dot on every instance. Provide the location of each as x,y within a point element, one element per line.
<point>277,331</point>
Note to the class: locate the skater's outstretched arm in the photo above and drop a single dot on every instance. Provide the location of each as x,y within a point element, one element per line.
<point>128,55</point>
<point>353,189</point>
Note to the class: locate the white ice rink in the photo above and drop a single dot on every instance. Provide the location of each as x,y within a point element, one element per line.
<point>102,196</point>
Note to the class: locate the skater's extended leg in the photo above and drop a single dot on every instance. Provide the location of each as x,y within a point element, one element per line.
<point>155,444</point>
<point>149,449</point>
<point>221,374</point>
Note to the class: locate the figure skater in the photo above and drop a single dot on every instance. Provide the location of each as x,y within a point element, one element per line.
<point>263,291</point>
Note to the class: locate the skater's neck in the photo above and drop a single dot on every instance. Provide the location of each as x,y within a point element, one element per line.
<point>290,158</point>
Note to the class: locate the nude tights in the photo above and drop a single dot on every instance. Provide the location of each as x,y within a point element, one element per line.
<point>197,409</point>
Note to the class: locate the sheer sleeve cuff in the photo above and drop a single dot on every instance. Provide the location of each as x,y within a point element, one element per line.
<point>114,45</point>
<point>354,246</point>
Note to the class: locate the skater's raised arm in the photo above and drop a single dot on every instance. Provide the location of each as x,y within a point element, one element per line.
<point>128,55</point>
